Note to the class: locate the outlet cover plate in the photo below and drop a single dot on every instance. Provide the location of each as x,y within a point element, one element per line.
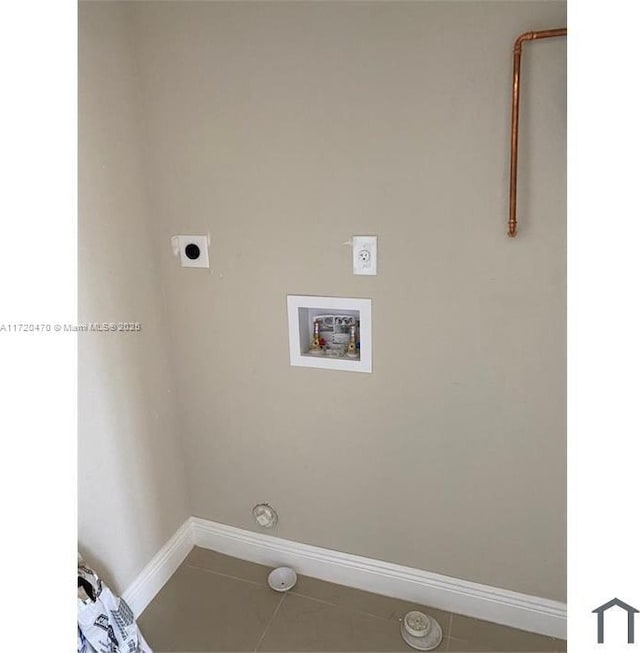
<point>192,250</point>
<point>365,255</point>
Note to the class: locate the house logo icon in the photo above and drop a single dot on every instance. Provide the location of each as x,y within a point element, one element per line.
<point>631,613</point>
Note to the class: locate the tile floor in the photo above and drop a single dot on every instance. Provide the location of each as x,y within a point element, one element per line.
<point>217,603</point>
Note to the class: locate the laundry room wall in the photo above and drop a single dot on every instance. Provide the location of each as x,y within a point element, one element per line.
<point>131,478</point>
<point>282,129</point>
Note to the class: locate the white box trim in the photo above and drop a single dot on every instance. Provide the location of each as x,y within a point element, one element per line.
<point>297,358</point>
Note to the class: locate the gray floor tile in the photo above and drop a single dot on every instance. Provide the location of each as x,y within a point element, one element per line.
<point>202,611</point>
<point>460,646</point>
<point>224,564</point>
<point>367,602</point>
<point>304,624</point>
<point>475,635</point>
<point>216,602</point>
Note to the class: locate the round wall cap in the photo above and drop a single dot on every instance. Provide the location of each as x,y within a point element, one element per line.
<point>265,515</point>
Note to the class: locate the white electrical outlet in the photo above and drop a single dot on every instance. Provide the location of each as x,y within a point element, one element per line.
<point>365,254</point>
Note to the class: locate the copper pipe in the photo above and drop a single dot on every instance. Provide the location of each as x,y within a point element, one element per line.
<point>515,111</point>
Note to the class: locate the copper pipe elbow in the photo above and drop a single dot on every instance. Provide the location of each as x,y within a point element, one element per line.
<point>515,114</point>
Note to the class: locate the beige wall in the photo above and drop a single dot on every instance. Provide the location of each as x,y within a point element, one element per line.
<point>283,129</point>
<point>131,485</point>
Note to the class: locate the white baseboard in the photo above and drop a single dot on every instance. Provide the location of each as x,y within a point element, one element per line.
<point>494,604</point>
<point>531,613</point>
<point>162,566</point>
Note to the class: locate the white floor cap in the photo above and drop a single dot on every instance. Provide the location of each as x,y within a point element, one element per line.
<point>421,631</point>
<point>282,579</point>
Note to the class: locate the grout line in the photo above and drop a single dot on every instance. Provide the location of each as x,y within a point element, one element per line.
<point>450,626</point>
<point>220,573</point>
<point>449,629</point>
<point>346,607</point>
<point>273,616</point>
<point>446,629</point>
<point>453,618</point>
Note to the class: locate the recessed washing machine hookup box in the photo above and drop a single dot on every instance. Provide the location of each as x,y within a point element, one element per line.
<point>330,332</point>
